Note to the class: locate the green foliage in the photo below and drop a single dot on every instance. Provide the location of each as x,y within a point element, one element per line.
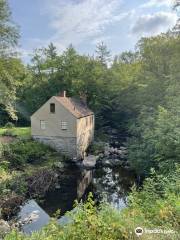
<point>11,68</point>
<point>96,148</point>
<point>158,199</point>
<point>9,125</point>
<point>8,133</point>
<point>8,31</point>
<point>106,223</point>
<point>137,94</point>
<point>156,129</point>
<point>21,152</point>
<point>157,141</point>
<point>20,132</point>
<point>12,183</point>
<point>103,54</point>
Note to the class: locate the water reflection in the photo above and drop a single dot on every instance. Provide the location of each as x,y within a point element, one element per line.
<point>30,209</point>
<point>72,185</point>
<point>112,184</point>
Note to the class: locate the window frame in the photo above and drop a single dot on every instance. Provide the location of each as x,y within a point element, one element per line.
<point>52,108</point>
<point>64,125</point>
<point>42,124</point>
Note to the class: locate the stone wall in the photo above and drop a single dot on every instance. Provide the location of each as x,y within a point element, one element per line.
<point>64,145</point>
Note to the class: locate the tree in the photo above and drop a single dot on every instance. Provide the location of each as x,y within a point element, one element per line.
<point>9,65</point>
<point>156,130</point>
<point>51,51</point>
<point>176,6</point>
<point>103,54</point>
<point>9,34</point>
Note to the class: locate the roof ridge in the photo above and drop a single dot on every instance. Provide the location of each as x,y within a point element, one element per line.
<point>75,106</point>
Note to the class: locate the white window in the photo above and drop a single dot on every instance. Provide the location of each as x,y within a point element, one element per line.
<point>42,124</point>
<point>64,125</point>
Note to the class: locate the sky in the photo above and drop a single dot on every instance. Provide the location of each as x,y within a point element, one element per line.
<point>84,23</point>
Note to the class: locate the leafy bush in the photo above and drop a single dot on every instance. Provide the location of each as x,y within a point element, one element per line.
<point>96,148</point>
<point>107,223</point>
<point>18,184</point>
<point>9,125</point>
<point>9,133</point>
<point>22,152</point>
<point>158,199</point>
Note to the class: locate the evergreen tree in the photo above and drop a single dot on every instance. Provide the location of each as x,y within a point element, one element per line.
<point>103,54</point>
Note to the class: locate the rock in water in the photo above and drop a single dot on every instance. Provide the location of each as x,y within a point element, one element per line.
<point>4,228</point>
<point>89,161</point>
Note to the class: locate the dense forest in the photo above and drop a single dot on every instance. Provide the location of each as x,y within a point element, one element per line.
<point>136,93</point>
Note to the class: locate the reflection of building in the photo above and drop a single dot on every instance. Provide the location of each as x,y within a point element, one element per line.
<point>72,186</point>
<point>83,183</point>
<point>64,123</point>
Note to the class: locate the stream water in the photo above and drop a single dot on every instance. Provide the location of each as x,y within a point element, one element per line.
<point>110,183</point>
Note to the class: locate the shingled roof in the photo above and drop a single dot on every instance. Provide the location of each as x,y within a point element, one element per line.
<point>75,106</point>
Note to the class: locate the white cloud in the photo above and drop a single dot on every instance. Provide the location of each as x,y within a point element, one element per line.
<point>152,24</point>
<point>157,3</point>
<point>76,21</point>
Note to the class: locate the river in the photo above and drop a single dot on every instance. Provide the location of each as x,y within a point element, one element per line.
<point>113,184</point>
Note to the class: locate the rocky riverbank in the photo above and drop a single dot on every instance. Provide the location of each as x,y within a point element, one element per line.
<point>41,180</point>
<point>113,157</point>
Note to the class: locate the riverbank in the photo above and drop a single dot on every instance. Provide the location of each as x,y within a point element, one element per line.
<point>20,132</point>
<point>30,170</point>
<point>105,222</point>
<point>27,169</point>
<point>41,172</point>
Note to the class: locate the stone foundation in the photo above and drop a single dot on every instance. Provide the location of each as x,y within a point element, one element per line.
<point>66,146</point>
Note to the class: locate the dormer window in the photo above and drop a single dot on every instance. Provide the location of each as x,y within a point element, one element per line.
<point>52,107</point>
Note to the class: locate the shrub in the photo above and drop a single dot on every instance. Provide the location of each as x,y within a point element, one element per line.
<point>9,125</point>
<point>96,148</point>
<point>22,152</point>
<point>158,199</point>
<point>103,223</point>
<point>9,133</point>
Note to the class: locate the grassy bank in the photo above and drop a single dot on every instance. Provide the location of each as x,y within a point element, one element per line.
<point>27,169</point>
<point>22,132</point>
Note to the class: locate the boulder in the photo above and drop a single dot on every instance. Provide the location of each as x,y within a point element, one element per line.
<point>89,161</point>
<point>106,153</point>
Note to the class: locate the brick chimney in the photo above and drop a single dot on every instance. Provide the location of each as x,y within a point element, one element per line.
<point>62,94</point>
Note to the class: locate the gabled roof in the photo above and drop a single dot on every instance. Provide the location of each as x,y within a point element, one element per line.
<point>75,106</point>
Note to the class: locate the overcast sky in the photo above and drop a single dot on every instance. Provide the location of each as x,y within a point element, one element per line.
<point>84,23</point>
